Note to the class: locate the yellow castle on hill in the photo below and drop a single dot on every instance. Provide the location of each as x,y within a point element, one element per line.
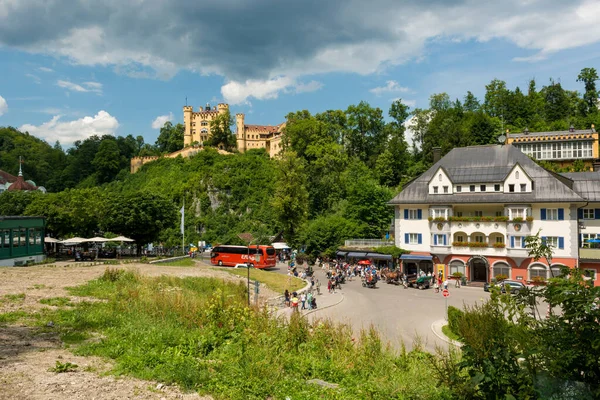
<point>197,131</point>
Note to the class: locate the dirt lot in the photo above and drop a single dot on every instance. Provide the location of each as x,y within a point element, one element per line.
<point>26,355</point>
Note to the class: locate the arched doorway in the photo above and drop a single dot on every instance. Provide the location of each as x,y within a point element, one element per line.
<point>479,267</point>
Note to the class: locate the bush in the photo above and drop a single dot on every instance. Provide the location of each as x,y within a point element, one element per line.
<point>501,277</point>
<point>454,315</point>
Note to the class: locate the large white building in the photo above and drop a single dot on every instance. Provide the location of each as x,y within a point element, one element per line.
<point>471,211</point>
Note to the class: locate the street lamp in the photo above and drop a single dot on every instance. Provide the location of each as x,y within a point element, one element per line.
<point>247,237</point>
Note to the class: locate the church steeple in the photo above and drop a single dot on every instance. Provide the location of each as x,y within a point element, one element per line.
<point>20,165</point>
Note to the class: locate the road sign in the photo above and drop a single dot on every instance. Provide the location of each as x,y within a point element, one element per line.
<point>445,292</point>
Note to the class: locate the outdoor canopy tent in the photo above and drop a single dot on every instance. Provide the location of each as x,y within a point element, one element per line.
<point>357,255</point>
<point>280,246</point>
<point>51,240</point>
<point>377,256</point>
<point>416,257</point>
<point>97,239</point>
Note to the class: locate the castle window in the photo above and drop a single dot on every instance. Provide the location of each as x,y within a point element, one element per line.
<point>204,130</point>
<point>204,123</point>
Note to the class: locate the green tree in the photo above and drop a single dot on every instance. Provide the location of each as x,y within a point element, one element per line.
<point>221,135</point>
<point>365,136</point>
<point>108,161</point>
<point>589,76</point>
<point>141,216</point>
<point>170,138</point>
<point>323,235</point>
<point>471,103</point>
<point>291,198</point>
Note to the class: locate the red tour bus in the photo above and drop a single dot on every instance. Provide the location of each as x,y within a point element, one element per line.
<point>232,255</point>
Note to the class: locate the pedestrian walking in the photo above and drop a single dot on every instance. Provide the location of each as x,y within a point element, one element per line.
<point>295,302</point>
<point>318,287</point>
<point>329,286</point>
<point>309,298</point>
<point>303,300</point>
<point>287,298</point>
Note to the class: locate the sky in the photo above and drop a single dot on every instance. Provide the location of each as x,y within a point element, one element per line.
<point>70,69</point>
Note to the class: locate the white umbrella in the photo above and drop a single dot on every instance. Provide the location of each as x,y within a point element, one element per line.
<point>97,239</point>
<point>280,246</point>
<point>74,240</point>
<point>121,239</point>
<point>51,240</point>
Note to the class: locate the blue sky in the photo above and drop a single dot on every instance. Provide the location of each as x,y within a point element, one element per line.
<point>72,69</point>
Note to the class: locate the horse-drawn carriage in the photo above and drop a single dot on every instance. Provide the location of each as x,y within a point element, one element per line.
<point>421,282</point>
<point>369,281</point>
<point>391,277</point>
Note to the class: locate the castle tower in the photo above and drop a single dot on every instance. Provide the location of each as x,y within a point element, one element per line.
<point>187,123</point>
<point>240,132</point>
<point>222,108</point>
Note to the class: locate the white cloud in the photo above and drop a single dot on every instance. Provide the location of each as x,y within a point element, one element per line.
<point>94,87</point>
<point>410,103</point>
<point>238,92</point>
<point>34,78</point>
<point>159,121</point>
<point>68,132</point>
<point>390,87</point>
<point>3,106</point>
<point>45,69</point>
<point>311,86</point>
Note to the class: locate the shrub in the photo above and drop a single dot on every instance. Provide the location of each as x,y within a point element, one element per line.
<point>63,367</point>
<point>486,219</point>
<point>500,219</point>
<point>478,244</point>
<point>457,275</point>
<point>499,245</point>
<point>529,219</point>
<point>518,219</point>
<point>501,277</point>
<point>538,279</point>
<point>439,219</point>
<point>112,274</point>
<point>454,315</point>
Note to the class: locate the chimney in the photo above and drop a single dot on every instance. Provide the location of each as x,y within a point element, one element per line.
<point>593,128</point>
<point>437,154</point>
<point>571,128</point>
<point>526,131</point>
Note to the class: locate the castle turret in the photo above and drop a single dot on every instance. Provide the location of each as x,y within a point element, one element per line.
<point>240,132</point>
<point>187,123</point>
<point>222,107</point>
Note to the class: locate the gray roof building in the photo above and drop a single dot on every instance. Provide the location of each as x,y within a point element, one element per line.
<point>587,184</point>
<point>491,164</point>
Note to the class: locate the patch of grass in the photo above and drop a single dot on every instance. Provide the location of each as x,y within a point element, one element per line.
<point>13,298</point>
<point>39,286</point>
<point>274,281</point>
<point>448,332</point>
<point>57,301</point>
<point>197,333</point>
<point>12,316</point>
<point>184,262</point>
<point>74,337</point>
<point>61,367</point>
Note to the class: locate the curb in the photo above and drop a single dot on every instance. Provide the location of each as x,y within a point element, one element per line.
<point>323,308</point>
<point>441,335</point>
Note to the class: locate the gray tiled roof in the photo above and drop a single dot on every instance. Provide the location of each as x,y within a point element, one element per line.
<point>587,184</point>
<point>487,162</point>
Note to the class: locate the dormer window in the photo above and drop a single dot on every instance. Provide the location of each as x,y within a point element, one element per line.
<point>445,189</point>
<point>523,187</point>
<point>435,189</point>
<point>472,188</point>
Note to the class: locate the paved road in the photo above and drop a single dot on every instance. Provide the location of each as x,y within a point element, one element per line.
<point>401,315</point>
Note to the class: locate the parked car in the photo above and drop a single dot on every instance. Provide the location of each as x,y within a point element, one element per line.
<point>513,287</point>
<point>241,265</point>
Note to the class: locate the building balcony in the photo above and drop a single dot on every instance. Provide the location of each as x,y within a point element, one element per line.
<point>477,248</point>
<point>589,254</point>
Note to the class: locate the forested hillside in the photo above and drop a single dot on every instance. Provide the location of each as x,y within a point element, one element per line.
<point>339,169</point>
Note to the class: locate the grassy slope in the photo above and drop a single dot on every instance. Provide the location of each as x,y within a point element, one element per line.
<point>196,332</point>
<point>274,281</point>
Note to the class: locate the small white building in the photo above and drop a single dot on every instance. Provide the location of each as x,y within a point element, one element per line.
<point>471,211</point>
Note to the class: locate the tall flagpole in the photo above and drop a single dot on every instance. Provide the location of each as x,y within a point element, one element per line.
<point>183,228</point>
